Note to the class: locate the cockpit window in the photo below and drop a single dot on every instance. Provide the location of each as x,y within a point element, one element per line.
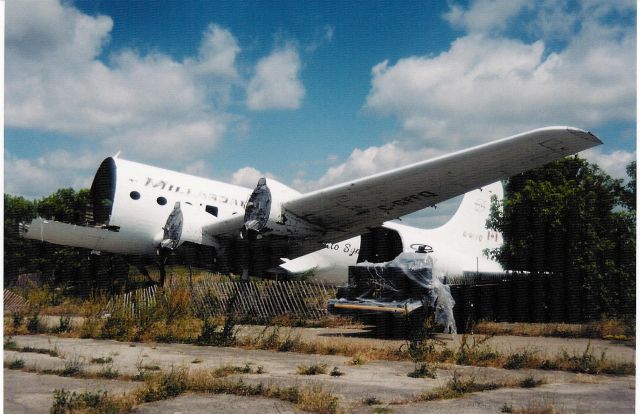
<point>211,210</point>
<point>161,200</point>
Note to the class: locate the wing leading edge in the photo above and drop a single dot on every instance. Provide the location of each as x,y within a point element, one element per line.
<point>349,209</point>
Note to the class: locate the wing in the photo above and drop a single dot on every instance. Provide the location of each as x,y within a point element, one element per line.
<point>349,209</point>
<point>346,210</point>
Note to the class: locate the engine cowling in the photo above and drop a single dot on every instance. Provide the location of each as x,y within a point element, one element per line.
<point>264,213</point>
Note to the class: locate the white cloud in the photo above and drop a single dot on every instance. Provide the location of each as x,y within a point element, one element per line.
<point>199,168</point>
<point>487,87</point>
<point>141,104</point>
<point>484,15</point>
<point>276,83</point>
<point>362,163</point>
<point>217,53</point>
<point>613,163</point>
<point>248,177</point>
<point>34,178</point>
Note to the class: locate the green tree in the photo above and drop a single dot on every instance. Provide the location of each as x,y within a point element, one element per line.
<point>17,251</point>
<point>571,218</point>
<point>64,205</point>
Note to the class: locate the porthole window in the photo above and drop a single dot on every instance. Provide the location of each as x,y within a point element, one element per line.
<point>161,200</point>
<point>134,195</point>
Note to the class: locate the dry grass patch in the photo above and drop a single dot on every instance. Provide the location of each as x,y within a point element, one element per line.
<point>456,388</point>
<point>459,385</point>
<point>535,407</point>
<point>313,369</point>
<point>605,329</point>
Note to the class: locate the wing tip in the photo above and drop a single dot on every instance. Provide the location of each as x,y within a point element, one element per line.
<point>586,135</point>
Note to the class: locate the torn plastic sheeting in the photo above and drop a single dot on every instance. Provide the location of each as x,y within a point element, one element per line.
<point>419,268</point>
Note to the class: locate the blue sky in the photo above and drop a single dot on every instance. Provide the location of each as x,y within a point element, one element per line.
<point>310,93</point>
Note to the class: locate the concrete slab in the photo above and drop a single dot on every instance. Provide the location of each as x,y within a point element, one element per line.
<point>205,404</point>
<point>385,380</point>
<point>615,396</point>
<point>31,393</point>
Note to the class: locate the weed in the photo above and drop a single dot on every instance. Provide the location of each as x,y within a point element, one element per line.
<point>10,344</point>
<point>357,360</point>
<point>315,399</point>
<point>16,320</point>
<point>64,324</point>
<point>586,363</point>
<point>108,372</point>
<point>211,335</point>
<point>524,359</point>
<point>273,340</point>
<point>101,360</point>
<point>50,352</point>
<point>423,370</point>
<point>506,408</point>
<point>196,361</point>
<point>260,370</point>
<point>289,343</point>
<point>16,364</point>
<point>474,351</point>
<point>163,385</point>
<point>335,372</point>
<point>371,400</point>
<point>72,367</point>
<point>98,401</point>
<point>530,382</point>
<point>91,327</point>
<point>382,410</point>
<point>33,323</point>
<point>537,407</point>
<point>227,370</point>
<point>457,387</point>
<point>314,369</point>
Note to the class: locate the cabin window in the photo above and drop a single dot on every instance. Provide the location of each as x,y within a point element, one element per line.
<point>211,210</point>
<point>161,200</point>
<point>134,195</point>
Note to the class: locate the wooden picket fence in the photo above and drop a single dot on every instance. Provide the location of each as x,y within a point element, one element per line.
<point>261,300</point>
<point>14,302</point>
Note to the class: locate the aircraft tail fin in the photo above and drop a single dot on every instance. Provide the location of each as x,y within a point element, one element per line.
<point>469,221</point>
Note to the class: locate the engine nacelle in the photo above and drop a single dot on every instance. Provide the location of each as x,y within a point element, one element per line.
<point>264,213</point>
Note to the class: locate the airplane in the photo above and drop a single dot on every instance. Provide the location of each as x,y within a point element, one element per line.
<point>144,211</point>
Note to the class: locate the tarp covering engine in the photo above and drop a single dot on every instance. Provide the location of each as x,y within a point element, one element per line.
<point>402,286</point>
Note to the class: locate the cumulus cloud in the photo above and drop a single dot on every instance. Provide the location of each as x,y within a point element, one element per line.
<point>614,162</point>
<point>56,81</point>
<point>276,83</point>
<point>365,162</point>
<point>43,175</point>
<point>484,15</point>
<point>488,85</point>
<point>486,88</point>
<point>248,177</point>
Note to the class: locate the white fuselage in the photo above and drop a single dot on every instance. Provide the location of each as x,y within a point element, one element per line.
<point>144,196</point>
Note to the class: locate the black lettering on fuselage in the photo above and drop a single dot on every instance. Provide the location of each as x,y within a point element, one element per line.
<point>164,185</point>
<point>422,195</point>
